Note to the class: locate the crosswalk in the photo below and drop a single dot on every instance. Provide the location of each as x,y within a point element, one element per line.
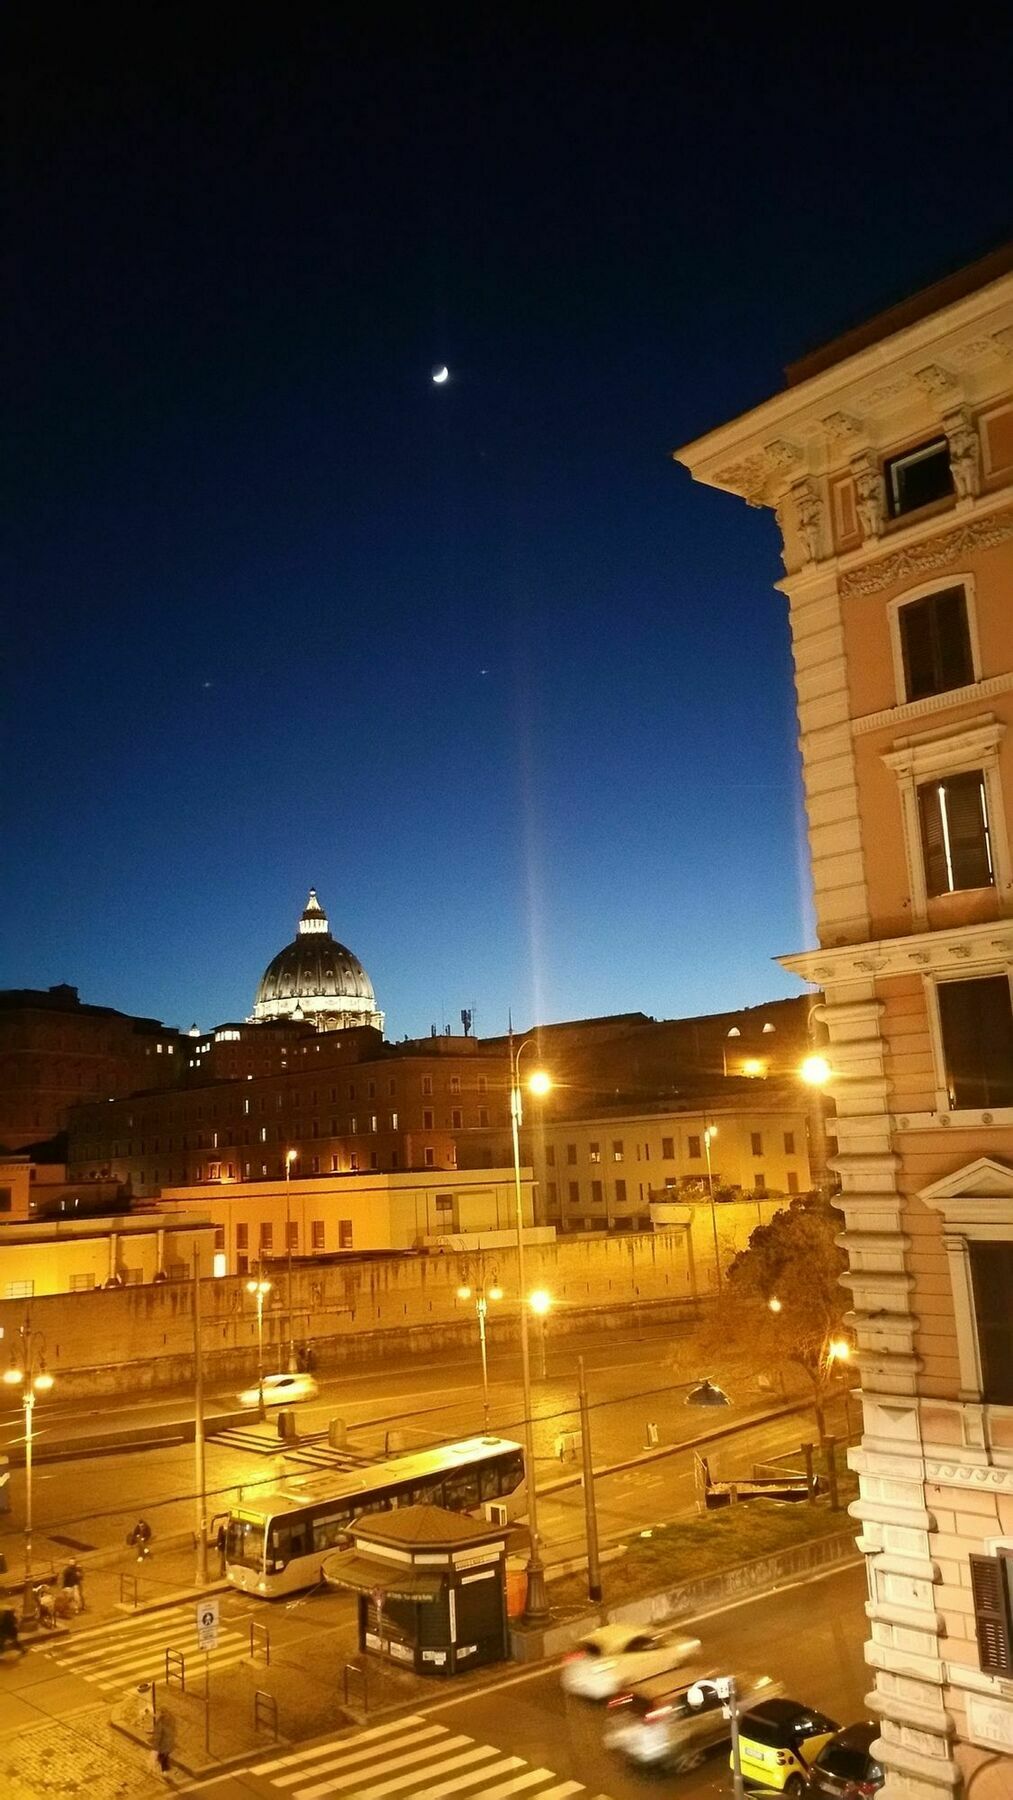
<point>115,1656</point>
<point>411,1759</point>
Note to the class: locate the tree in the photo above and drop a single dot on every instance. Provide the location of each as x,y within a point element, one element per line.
<point>783,1294</point>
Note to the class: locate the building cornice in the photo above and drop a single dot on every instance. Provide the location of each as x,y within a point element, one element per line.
<point>964,948</point>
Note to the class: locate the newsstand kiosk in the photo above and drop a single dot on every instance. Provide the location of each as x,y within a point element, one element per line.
<point>431,1587</point>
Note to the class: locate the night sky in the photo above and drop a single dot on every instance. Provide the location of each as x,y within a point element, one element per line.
<point>478,661</point>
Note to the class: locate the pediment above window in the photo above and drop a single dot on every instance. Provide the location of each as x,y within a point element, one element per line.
<point>968,1196</point>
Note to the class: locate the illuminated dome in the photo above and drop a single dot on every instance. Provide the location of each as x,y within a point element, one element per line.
<point>315,978</point>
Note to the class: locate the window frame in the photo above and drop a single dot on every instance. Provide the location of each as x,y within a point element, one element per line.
<point>926,756</point>
<point>915,453</point>
<point>983,972</point>
<point>924,591</point>
<point>976,1203</point>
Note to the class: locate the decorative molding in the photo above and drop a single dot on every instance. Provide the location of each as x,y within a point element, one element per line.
<point>841,429</point>
<point>750,477</point>
<point>989,945</point>
<point>809,516</point>
<point>965,452</point>
<point>920,709</point>
<point>959,1475</point>
<point>928,553</point>
<point>936,383</point>
<point>870,495</point>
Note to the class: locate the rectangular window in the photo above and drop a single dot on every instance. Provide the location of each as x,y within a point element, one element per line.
<point>444,1202</point>
<point>756,1142</point>
<point>78,1283</point>
<point>976,1021</point>
<point>792,1182</point>
<point>594,1153</point>
<point>455,1084</point>
<point>550,1156</point>
<point>430,1157</point>
<point>693,1146</point>
<point>956,849</point>
<point>7,1198</point>
<point>242,1265</point>
<point>483,1115</point>
<point>427,1119</point>
<point>266,1235</point>
<point>393,1121</point>
<point>457,1118</point>
<point>789,1143</point>
<point>992,1280</point>
<point>571,1153</point>
<point>573,1193</point>
<point>551,1193</point>
<point>344,1234</point>
<point>219,1237</point>
<point>759,1183</point>
<point>597,1194</point>
<point>668,1149</point>
<point>427,1084</point>
<point>617,1149</point>
<point>19,1290</point>
<point>292,1235</point>
<point>918,477</point>
<point>373,1122</point>
<point>242,1237</point>
<point>935,644</point>
<point>315,1166</point>
<point>317,1234</point>
<point>620,1193</point>
<point>335,1165</point>
<point>992,1594</point>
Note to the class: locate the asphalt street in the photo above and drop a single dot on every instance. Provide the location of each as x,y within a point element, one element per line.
<point>521,1734</point>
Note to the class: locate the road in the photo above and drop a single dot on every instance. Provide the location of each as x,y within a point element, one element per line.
<point>634,1377</point>
<point>522,1735</point>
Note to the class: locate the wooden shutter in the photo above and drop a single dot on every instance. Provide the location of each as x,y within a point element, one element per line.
<point>916,642</point>
<point>933,847</point>
<point>965,815</point>
<point>990,1592</point>
<point>952,639</point>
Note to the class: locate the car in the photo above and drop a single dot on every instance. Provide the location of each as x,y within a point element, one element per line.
<point>779,1740</point>
<point>617,1656</point>
<point>654,1724</point>
<point>846,1769</point>
<point>281,1389</point>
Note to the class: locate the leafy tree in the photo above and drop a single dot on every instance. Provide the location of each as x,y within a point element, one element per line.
<point>783,1296</point>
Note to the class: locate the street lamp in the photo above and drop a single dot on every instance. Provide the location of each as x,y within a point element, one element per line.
<point>260,1290</point>
<point>540,1302</point>
<point>290,1157</point>
<point>537,1607</point>
<point>726,1690</point>
<point>482,1299</point>
<point>28,1371</point>
<point>710,1132</point>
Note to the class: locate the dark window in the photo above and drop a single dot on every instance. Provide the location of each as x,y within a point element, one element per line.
<point>317,1233</point>
<point>792,1182</point>
<point>977,1027</point>
<point>620,1193</point>
<point>992,1279</point>
<point>693,1146</point>
<point>955,841</point>
<point>756,1142</point>
<point>550,1156</point>
<point>936,644</point>
<point>918,477</point>
<point>344,1234</point>
<point>597,1193</point>
<point>574,1193</point>
<point>668,1149</point>
<point>789,1143</point>
<point>5,1199</point>
<point>990,1591</point>
<point>571,1153</point>
<point>551,1194</point>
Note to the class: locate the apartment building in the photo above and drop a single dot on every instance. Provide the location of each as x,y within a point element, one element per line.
<point>888,459</point>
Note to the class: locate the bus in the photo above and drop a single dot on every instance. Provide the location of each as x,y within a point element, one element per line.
<point>276,1543</point>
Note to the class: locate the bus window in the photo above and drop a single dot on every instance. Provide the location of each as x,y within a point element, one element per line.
<point>428,1493</point>
<point>287,1539</point>
<point>244,1543</point>
<point>331,1530</point>
<point>511,1472</point>
<point>461,1489</point>
<point>490,1482</point>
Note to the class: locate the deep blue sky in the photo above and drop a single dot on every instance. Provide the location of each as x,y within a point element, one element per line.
<point>479,662</point>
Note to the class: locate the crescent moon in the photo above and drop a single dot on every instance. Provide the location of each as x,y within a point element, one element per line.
<point>441,375</point>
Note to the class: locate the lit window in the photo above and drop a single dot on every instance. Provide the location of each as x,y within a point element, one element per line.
<point>956,847</point>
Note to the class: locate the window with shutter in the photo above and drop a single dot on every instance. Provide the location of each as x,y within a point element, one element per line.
<point>936,643</point>
<point>992,1284</point>
<point>956,848</point>
<point>976,1022</point>
<point>990,1590</point>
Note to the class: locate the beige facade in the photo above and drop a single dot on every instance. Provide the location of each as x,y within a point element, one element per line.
<point>122,1250</point>
<point>356,1213</point>
<point>889,461</point>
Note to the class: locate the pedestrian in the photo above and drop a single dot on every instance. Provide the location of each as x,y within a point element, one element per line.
<point>72,1583</point>
<point>221,1539</point>
<point>163,1739</point>
<point>9,1639</point>
<point>140,1538</point>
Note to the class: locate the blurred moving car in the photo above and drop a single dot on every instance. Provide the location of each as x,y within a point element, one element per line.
<point>617,1656</point>
<point>280,1388</point>
<point>779,1740</point>
<point>846,1769</point>
<point>654,1724</point>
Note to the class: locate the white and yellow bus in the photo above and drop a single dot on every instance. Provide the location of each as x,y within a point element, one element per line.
<point>277,1542</point>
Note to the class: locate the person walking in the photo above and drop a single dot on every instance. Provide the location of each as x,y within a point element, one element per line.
<point>140,1538</point>
<point>9,1639</point>
<point>221,1540</point>
<point>72,1584</point>
<point>163,1741</point>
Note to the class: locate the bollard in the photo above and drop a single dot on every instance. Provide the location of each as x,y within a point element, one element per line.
<point>337,1434</point>
<point>652,1435</point>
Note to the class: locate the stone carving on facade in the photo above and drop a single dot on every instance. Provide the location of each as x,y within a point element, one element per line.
<point>842,430</point>
<point>928,555</point>
<point>965,452</point>
<point>936,382</point>
<point>751,476</point>
<point>808,516</point>
<point>869,497</point>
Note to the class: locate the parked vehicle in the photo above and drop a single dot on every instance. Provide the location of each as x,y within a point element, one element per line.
<point>846,1769</point>
<point>616,1656</point>
<point>779,1740</point>
<point>279,1389</point>
<point>654,1724</point>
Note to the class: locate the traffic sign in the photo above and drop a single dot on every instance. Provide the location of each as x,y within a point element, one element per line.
<point>207,1623</point>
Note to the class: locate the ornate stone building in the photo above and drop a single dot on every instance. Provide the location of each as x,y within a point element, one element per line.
<point>316,978</point>
<point>888,459</point>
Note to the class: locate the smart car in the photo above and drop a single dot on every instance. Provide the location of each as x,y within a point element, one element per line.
<point>617,1656</point>
<point>779,1740</point>
<point>846,1769</point>
<point>279,1389</point>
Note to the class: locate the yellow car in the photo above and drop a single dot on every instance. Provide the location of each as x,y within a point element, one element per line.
<point>778,1742</point>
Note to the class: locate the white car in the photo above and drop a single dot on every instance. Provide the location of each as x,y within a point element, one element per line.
<point>617,1656</point>
<point>281,1389</point>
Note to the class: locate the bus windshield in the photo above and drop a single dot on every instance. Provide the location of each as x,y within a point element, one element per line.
<point>245,1542</point>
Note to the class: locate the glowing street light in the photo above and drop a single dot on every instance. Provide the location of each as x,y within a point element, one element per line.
<point>774,1304</point>
<point>838,1350</point>
<point>260,1290</point>
<point>537,1607</point>
<point>29,1373</point>
<point>815,1071</point>
<point>540,1302</point>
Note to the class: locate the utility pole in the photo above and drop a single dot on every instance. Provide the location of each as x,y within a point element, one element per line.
<point>590,1510</point>
<point>198,1430</point>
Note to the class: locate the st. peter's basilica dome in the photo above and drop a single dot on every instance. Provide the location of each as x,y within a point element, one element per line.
<point>317,979</point>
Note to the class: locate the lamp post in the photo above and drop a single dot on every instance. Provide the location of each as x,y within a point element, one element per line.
<point>482,1299</point>
<point>28,1371</point>
<point>260,1290</point>
<point>726,1690</point>
<point>540,1302</point>
<point>711,1131</point>
<point>290,1157</point>
<point>537,1607</point>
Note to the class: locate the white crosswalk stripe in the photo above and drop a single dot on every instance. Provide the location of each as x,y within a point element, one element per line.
<point>115,1656</point>
<point>411,1759</point>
